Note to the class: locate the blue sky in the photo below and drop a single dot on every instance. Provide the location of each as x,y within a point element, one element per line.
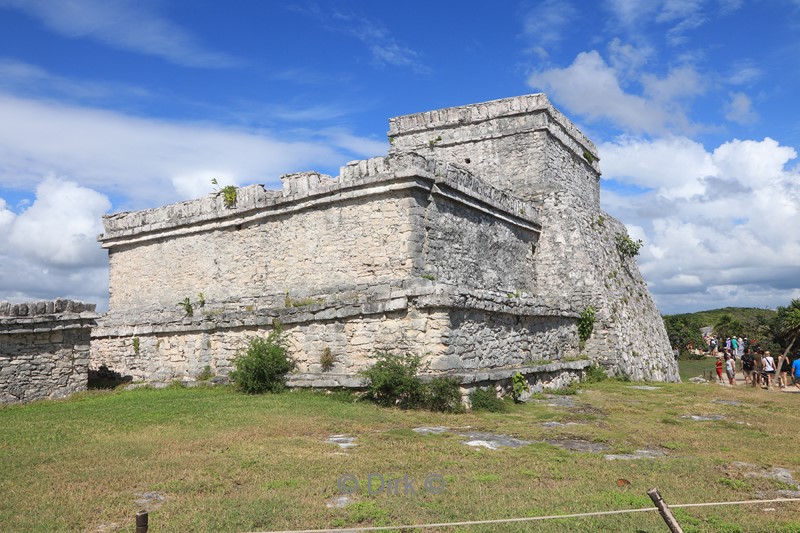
<point>109,106</point>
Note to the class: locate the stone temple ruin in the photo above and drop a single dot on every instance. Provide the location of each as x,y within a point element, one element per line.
<point>476,243</point>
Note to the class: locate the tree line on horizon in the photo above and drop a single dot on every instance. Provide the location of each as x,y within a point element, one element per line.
<point>775,330</point>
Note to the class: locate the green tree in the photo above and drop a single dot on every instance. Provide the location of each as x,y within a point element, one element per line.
<point>727,326</point>
<point>787,326</point>
<point>684,332</point>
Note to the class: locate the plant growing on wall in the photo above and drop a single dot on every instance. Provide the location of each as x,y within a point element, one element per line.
<point>519,386</point>
<point>433,142</point>
<point>327,359</point>
<point>186,304</point>
<point>627,247</point>
<point>206,374</point>
<point>136,345</point>
<point>586,324</point>
<point>228,194</point>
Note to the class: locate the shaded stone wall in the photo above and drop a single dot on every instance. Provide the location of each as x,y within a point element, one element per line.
<point>44,349</point>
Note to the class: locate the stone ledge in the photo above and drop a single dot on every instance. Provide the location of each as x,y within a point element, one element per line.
<point>332,380</point>
<point>51,308</point>
<point>46,324</point>
<point>418,293</point>
<point>497,374</point>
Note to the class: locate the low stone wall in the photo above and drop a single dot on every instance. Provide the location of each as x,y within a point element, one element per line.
<point>452,329</point>
<point>44,349</point>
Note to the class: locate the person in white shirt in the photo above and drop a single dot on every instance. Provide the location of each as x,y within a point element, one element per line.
<point>769,368</point>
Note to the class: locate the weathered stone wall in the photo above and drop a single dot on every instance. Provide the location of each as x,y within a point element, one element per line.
<point>526,147</point>
<point>476,243</point>
<point>373,226</point>
<point>509,143</point>
<point>44,349</point>
<point>365,263</point>
<point>453,331</point>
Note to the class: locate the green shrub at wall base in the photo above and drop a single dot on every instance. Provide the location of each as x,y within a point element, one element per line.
<point>519,386</point>
<point>263,367</point>
<point>392,381</point>
<point>444,396</point>
<point>595,374</point>
<point>486,400</point>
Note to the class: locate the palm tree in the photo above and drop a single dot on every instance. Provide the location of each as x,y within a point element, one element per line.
<point>787,324</point>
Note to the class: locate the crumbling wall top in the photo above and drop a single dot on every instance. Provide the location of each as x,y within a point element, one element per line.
<point>466,116</point>
<point>52,307</point>
<point>306,189</point>
<point>52,315</point>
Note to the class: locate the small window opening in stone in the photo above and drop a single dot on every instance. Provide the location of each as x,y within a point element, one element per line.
<point>238,227</point>
<point>467,161</point>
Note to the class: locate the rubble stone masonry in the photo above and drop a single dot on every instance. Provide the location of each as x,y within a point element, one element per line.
<point>475,243</point>
<point>44,349</point>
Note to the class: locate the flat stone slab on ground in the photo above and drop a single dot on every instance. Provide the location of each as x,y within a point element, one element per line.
<point>337,502</point>
<point>735,403</point>
<point>638,454</point>
<point>480,439</point>
<point>643,387</point>
<point>703,418</point>
<point>342,441</point>
<point>476,439</point>
<point>150,501</point>
<point>559,424</point>
<point>430,430</point>
<point>560,401</point>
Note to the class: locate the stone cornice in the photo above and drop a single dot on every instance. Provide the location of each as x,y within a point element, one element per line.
<point>375,176</point>
<point>419,293</point>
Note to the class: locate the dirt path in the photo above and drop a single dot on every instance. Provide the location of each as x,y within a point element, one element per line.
<point>741,383</point>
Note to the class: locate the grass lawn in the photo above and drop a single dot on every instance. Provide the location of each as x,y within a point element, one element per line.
<point>689,368</point>
<point>224,461</point>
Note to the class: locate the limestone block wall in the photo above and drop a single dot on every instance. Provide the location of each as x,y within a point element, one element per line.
<point>509,143</point>
<point>367,262</point>
<point>496,205</point>
<point>527,148</point>
<point>351,241</point>
<point>454,331</point>
<point>44,349</point>
<point>384,220</point>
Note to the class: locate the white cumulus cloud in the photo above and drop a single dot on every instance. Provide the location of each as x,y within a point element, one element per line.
<point>720,227</point>
<point>592,88</point>
<point>50,249</point>
<point>61,226</point>
<point>150,162</point>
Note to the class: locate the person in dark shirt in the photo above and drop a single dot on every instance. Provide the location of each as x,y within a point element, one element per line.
<point>747,365</point>
<point>783,372</point>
